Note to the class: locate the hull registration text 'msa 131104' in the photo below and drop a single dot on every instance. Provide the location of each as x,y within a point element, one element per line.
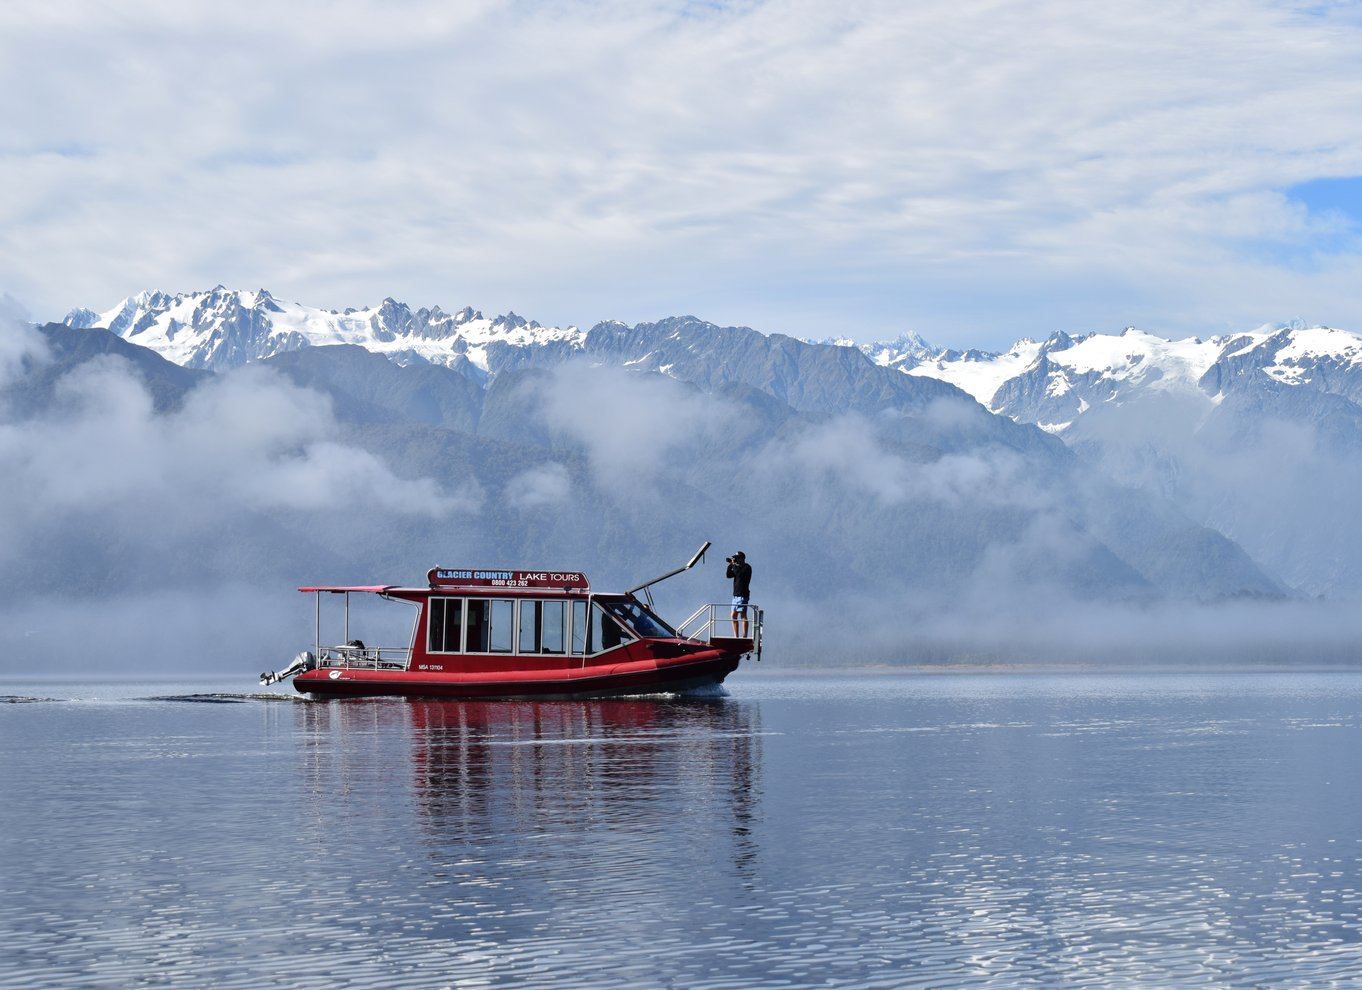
<point>502,633</point>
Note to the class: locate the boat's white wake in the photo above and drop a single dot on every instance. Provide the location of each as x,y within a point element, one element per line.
<point>704,691</point>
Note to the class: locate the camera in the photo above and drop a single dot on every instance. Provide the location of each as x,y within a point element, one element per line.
<point>729,560</point>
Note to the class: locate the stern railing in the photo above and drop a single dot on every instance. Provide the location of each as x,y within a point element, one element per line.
<point>365,657</point>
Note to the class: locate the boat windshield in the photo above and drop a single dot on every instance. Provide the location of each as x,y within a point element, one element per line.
<point>643,622</point>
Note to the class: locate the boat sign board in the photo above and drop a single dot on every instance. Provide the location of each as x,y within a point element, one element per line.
<point>455,577</point>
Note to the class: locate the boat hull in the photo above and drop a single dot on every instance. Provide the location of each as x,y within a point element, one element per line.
<point>636,677</point>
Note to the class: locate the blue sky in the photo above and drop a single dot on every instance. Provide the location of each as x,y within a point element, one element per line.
<point>1341,196</point>
<point>973,170</point>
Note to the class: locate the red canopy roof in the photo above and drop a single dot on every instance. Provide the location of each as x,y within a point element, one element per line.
<point>373,589</point>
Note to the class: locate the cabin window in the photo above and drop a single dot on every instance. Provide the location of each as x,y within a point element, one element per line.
<point>479,626</point>
<point>530,614</point>
<point>543,627</point>
<point>491,625</point>
<point>503,626</point>
<point>645,623</point>
<point>579,629</point>
<point>554,626</point>
<point>604,633</point>
<point>445,625</point>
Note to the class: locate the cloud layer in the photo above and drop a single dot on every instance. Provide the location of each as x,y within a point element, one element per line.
<point>973,170</point>
<point>246,442</point>
<point>148,531</point>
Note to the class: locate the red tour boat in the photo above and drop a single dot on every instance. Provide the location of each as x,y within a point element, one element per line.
<point>506,634</point>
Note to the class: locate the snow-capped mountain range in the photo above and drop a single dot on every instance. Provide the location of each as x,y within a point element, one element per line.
<point>1054,382</point>
<point>224,328</point>
<point>1051,383</point>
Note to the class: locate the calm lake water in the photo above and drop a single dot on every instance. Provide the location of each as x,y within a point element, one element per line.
<point>885,830</point>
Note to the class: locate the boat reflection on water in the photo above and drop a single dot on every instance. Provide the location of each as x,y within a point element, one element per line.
<point>572,766</point>
<point>681,776</point>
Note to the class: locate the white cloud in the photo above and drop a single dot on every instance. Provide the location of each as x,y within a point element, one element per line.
<point>540,486</point>
<point>21,346</point>
<point>973,170</point>
<point>249,441</point>
<point>846,452</point>
<point>631,425</point>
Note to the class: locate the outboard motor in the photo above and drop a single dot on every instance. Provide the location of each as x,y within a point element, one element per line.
<point>303,661</point>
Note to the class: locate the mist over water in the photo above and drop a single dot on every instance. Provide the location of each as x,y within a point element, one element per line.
<point>856,830</point>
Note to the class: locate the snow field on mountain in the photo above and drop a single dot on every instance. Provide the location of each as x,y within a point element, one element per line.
<point>1309,345</point>
<point>982,379</point>
<point>191,329</point>
<point>1141,357</point>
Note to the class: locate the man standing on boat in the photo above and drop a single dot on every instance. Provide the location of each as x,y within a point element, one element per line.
<point>741,573</point>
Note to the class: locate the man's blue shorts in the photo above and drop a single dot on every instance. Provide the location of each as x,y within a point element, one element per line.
<point>740,602</point>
